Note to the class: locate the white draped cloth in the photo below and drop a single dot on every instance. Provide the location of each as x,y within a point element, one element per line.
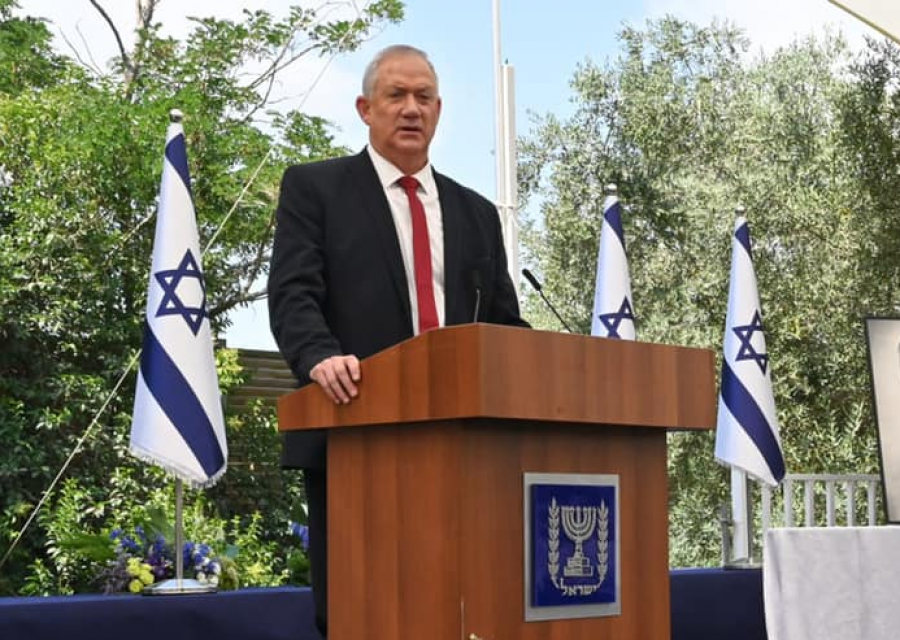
<point>836,583</point>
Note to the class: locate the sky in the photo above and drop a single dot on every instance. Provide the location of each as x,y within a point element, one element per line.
<point>543,40</point>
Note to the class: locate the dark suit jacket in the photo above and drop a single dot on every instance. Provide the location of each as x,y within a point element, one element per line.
<point>337,283</point>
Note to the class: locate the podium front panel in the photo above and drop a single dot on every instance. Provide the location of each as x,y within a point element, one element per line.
<point>425,528</point>
<point>496,457</point>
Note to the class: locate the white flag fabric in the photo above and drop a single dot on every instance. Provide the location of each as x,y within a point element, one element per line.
<point>747,427</point>
<point>613,315</point>
<point>178,422</point>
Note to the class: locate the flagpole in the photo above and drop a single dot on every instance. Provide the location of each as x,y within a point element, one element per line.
<point>740,519</point>
<point>178,585</point>
<point>179,530</point>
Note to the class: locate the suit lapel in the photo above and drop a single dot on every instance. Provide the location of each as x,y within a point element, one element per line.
<point>451,213</point>
<point>375,203</point>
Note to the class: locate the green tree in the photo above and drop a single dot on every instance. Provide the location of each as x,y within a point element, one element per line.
<point>80,159</point>
<point>869,117</point>
<point>689,126</point>
<point>26,59</point>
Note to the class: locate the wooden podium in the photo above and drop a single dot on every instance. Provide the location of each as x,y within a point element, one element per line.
<point>425,476</point>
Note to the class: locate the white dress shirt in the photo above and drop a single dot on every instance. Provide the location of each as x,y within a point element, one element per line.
<point>388,175</point>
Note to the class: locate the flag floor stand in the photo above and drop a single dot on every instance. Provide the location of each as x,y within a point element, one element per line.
<point>178,585</point>
<point>742,563</point>
<point>737,526</point>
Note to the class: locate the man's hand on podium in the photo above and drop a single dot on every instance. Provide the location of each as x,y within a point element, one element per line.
<point>338,376</point>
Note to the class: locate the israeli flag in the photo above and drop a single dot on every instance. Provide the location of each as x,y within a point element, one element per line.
<point>747,427</point>
<point>613,315</point>
<point>178,422</point>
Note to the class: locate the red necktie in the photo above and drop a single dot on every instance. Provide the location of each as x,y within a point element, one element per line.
<point>428,318</point>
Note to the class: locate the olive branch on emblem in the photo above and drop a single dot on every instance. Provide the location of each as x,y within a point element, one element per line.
<point>602,542</point>
<point>553,539</point>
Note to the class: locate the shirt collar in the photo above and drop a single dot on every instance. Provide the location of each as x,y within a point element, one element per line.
<point>388,174</point>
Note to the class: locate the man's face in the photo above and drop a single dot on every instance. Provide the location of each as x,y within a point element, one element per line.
<point>403,110</point>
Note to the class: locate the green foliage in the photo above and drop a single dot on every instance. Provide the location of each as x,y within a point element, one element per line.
<point>255,481</point>
<point>26,59</point>
<point>80,160</point>
<point>82,551</point>
<point>689,126</point>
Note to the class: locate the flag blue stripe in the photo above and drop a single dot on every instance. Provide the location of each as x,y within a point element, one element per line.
<point>174,395</point>
<point>742,233</point>
<point>176,155</point>
<point>752,420</point>
<point>613,216</point>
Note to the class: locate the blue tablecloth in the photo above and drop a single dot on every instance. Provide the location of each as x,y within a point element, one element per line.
<point>707,604</point>
<point>248,614</point>
<point>717,604</point>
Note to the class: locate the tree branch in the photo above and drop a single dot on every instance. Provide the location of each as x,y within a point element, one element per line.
<point>246,294</point>
<point>145,11</point>
<point>126,60</point>
<point>92,65</point>
<point>262,256</point>
<point>231,303</point>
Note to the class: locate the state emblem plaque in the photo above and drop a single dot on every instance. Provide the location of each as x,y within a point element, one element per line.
<point>571,546</point>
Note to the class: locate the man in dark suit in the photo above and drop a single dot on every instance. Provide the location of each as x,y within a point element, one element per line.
<point>372,249</point>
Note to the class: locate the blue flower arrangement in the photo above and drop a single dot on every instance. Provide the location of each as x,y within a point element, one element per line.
<point>300,531</point>
<point>142,560</point>
<point>298,559</point>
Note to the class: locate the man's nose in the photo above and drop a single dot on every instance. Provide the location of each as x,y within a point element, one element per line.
<point>410,105</point>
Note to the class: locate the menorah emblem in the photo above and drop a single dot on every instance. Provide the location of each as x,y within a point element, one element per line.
<point>578,524</point>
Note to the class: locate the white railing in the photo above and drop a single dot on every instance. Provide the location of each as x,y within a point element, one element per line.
<point>841,495</point>
<point>801,500</point>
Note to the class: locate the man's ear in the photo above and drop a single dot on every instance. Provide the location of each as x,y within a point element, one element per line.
<point>362,108</point>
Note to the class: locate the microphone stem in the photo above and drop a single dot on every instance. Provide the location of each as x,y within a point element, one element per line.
<point>555,312</point>
<point>537,287</point>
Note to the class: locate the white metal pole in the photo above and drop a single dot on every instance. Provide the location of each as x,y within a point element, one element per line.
<point>505,152</point>
<point>179,531</point>
<point>179,585</point>
<point>740,516</point>
<point>509,205</point>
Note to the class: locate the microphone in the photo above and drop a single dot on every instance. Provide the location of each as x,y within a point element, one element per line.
<point>537,287</point>
<point>475,279</point>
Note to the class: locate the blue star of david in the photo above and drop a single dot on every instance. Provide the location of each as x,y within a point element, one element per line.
<point>747,351</point>
<point>612,320</point>
<point>171,304</point>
